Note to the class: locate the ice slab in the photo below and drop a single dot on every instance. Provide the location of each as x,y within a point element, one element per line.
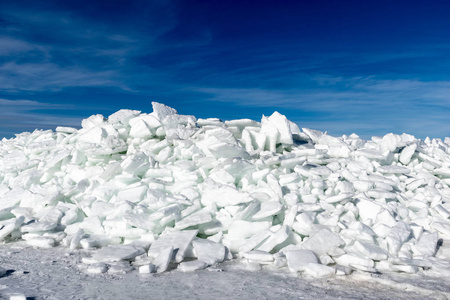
<point>227,150</point>
<point>254,241</point>
<point>368,209</point>
<point>114,253</point>
<point>398,235</point>
<point>160,111</point>
<point>122,116</point>
<point>245,229</point>
<point>222,195</point>
<point>191,266</point>
<point>17,296</point>
<point>259,256</point>
<point>426,245</point>
<point>275,239</point>
<point>297,260</point>
<point>178,240</point>
<point>97,268</point>
<point>9,227</point>
<point>322,242</point>
<point>121,267</point>
<point>407,153</point>
<point>209,251</point>
<point>268,209</point>
<point>370,250</point>
<point>11,198</point>
<point>140,129</point>
<point>318,270</point>
<point>355,260</point>
<point>283,126</point>
<point>147,269</point>
<point>199,217</point>
<point>41,242</point>
<point>163,259</point>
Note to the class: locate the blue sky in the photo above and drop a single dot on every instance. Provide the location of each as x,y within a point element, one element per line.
<point>369,67</point>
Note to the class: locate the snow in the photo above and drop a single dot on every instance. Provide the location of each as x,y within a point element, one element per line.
<point>56,274</point>
<point>154,193</point>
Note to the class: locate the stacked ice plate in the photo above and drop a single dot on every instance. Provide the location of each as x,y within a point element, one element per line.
<point>163,190</point>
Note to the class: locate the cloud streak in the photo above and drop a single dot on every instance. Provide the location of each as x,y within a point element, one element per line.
<point>337,93</point>
<point>58,47</point>
<point>28,115</point>
<point>51,77</point>
<point>367,104</point>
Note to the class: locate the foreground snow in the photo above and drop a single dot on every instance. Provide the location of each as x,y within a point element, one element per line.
<point>55,274</point>
<point>148,193</point>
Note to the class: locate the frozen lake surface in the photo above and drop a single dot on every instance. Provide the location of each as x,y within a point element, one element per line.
<point>54,274</point>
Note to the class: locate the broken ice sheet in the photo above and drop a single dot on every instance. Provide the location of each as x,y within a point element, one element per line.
<point>165,188</point>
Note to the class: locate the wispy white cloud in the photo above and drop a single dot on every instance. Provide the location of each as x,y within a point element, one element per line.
<point>14,46</point>
<point>27,105</point>
<point>421,126</point>
<point>51,77</point>
<point>26,115</point>
<point>331,93</point>
<point>79,50</point>
<point>364,105</point>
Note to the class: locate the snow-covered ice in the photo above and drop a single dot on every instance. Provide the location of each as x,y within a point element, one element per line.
<point>163,191</point>
<point>56,274</point>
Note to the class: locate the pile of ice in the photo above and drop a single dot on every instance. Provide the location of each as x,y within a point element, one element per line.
<point>162,190</point>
